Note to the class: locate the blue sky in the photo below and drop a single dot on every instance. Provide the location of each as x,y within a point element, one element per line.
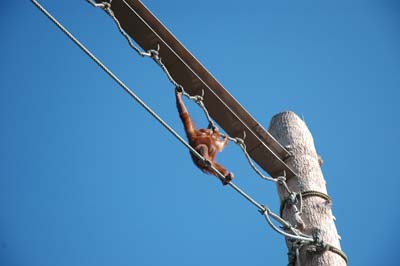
<point>87,177</point>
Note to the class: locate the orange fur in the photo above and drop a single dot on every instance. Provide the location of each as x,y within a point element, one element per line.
<point>206,142</point>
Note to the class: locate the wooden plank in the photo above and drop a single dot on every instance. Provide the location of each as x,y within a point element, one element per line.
<point>147,31</point>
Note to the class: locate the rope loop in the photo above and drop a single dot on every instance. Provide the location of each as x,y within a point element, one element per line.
<point>198,99</point>
<point>240,141</point>
<point>299,198</point>
<point>281,180</point>
<point>106,6</point>
<point>155,54</point>
<point>292,199</point>
<point>179,88</point>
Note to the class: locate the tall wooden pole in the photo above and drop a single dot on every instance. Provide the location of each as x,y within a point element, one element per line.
<point>316,216</point>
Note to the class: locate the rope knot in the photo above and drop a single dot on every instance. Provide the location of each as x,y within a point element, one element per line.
<point>154,54</point>
<point>198,98</point>
<point>106,6</point>
<point>293,198</point>
<point>239,141</point>
<point>212,126</point>
<point>263,210</point>
<point>281,180</point>
<point>317,241</point>
<point>179,88</point>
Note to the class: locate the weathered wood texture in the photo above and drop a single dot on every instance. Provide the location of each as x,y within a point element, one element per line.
<point>293,133</point>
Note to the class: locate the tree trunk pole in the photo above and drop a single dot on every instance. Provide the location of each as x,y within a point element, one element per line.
<point>316,215</point>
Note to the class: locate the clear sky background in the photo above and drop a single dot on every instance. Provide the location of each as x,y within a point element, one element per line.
<point>87,177</point>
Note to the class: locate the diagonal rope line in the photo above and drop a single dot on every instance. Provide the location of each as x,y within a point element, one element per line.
<point>140,101</point>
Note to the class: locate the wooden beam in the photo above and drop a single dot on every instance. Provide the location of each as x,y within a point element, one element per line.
<point>147,31</point>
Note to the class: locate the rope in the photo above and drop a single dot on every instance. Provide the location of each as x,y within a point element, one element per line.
<point>338,251</point>
<point>140,101</point>
<point>300,196</point>
<point>297,236</point>
<point>294,253</point>
<point>154,54</point>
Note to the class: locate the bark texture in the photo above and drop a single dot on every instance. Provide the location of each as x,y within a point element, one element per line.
<point>292,132</point>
